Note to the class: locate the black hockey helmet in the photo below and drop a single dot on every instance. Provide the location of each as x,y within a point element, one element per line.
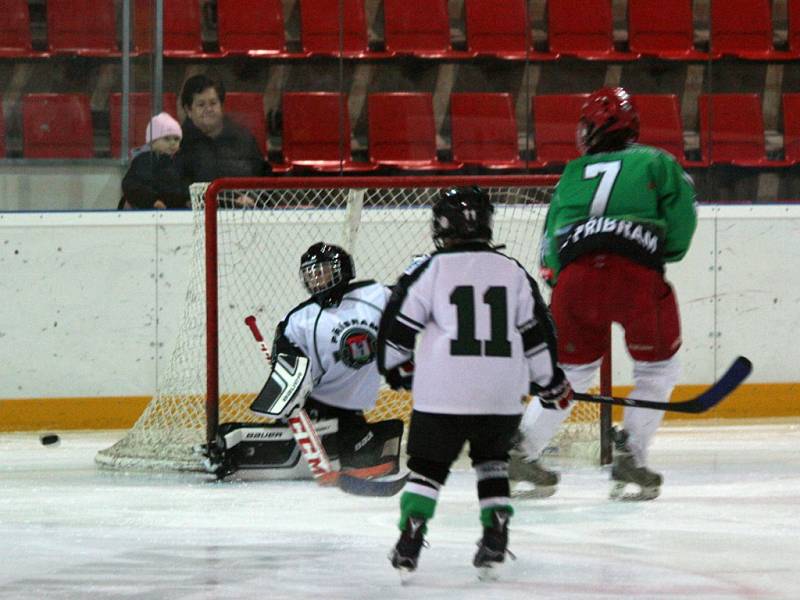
<point>609,121</point>
<point>462,214</point>
<point>325,270</point>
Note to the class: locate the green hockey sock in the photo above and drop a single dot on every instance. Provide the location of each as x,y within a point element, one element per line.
<point>416,505</point>
<point>487,512</point>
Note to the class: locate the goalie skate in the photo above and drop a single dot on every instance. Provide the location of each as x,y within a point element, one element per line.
<point>644,483</point>
<point>531,479</point>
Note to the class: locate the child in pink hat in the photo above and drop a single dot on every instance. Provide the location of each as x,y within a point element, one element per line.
<point>153,180</point>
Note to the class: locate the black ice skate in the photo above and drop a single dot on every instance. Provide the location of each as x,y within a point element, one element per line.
<point>492,550</point>
<point>626,472</point>
<point>405,555</point>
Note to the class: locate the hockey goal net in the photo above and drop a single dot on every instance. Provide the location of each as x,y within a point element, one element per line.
<point>245,262</point>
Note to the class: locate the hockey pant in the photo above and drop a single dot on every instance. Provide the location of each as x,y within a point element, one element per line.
<point>653,381</point>
<point>435,442</point>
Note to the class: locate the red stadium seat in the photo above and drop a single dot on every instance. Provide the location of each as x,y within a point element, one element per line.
<point>791,128</point>
<point>498,28</point>
<point>663,28</point>
<point>793,10</point>
<point>743,28</point>
<point>85,27</point>
<point>484,130</point>
<point>15,30</point>
<point>57,126</point>
<point>316,132</point>
<point>252,27</point>
<point>584,29</point>
<point>140,111</point>
<point>247,109</point>
<point>555,119</point>
<point>182,32</point>
<point>661,125</point>
<point>418,27</point>
<point>732,130</point>
<point>402,131</point>
<point>319,30</point>
<point>2,131</point>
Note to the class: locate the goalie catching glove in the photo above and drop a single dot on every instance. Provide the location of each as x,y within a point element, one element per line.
<point>286,389</point>
<point>557,395</point>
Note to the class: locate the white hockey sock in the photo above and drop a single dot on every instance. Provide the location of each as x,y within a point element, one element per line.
<point>655,382</point>
<point>539,425</point>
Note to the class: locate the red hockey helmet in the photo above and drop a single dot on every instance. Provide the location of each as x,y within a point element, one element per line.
<point>609,121</point>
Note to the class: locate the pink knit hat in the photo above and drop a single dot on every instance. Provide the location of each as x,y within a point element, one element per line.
<point>160,126</point>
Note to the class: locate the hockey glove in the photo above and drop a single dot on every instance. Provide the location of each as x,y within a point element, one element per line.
<point>401,377</point>
<point>548,276</point>
<point>558,395</point>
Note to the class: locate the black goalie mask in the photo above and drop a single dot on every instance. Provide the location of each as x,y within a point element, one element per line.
<point>325,270</point>
<point>462,214</point>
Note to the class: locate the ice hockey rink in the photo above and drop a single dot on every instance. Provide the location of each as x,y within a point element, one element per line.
<point>726,526</point>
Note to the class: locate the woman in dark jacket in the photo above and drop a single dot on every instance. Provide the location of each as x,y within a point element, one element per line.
<point>213,146</point>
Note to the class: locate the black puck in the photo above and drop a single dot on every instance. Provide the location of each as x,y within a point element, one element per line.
<point>49,439</point>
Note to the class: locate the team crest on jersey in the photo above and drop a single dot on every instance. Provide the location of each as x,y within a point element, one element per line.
<point>356,347</point>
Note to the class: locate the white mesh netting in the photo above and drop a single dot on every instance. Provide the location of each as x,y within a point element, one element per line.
<point>258,258</point>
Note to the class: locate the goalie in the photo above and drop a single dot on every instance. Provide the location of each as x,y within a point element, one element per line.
<point>323,360</point>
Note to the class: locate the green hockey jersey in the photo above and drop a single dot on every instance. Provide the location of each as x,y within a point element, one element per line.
<point>637,202</point>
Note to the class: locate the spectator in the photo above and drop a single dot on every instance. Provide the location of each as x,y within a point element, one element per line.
<point>153,180</point>
<point>213,146</point>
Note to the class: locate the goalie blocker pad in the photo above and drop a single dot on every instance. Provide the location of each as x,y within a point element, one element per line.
<point>286,389</point>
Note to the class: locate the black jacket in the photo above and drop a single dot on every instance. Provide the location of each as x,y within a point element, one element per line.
<point>233,153</point>
<point>152,176</point>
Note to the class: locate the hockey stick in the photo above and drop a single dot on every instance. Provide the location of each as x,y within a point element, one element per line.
<point>385,486</point>
<point>305,434</point>
<point>733,377</point>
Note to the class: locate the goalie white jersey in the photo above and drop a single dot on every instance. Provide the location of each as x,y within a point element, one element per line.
<point>486,332</point>
<point>340,343</point>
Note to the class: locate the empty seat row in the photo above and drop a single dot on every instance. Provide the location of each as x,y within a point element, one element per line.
<point>663,28</point>
<point>402,132</point>
<point>484,130</point>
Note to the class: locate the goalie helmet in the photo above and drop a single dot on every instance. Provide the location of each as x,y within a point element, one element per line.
<point>325,270</point>
<point>609,121</point>
<point>462,214</point>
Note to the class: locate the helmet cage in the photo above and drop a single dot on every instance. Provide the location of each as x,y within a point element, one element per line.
<point>325,270</point>
<point>320,276</point>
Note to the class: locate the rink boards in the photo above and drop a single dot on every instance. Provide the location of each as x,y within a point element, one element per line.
<point>93,304</point>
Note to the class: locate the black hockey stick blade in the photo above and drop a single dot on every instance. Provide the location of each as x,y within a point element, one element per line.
<point>384,486</point>
<point>733,377</point>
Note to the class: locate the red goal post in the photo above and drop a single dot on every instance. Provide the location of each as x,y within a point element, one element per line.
<point>245,262</point>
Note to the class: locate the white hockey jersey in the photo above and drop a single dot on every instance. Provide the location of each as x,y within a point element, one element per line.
<point>340,343</point>
<point>486,332</point>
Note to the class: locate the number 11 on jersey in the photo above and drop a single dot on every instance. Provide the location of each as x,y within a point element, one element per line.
<point>466,344</point>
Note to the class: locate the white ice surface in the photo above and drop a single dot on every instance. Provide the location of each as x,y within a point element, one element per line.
<point>726,526</point>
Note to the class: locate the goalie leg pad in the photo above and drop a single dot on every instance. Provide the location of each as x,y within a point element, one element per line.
<point>378,443</point>
<point>264,446</point>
